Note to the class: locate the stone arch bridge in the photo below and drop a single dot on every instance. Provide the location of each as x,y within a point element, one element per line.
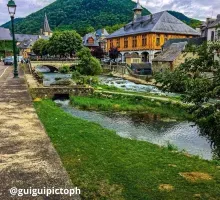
<point>52,65</point>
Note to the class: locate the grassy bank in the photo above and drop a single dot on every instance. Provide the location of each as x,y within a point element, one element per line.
<point>106,166</point>
<point>117,102</point>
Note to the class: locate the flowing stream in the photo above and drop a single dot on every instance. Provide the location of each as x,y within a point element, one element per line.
<point>184,135</point>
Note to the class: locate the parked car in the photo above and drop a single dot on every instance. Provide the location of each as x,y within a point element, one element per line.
<point>8,61</point>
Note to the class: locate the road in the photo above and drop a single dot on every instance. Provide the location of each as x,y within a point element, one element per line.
<point>4,71</point>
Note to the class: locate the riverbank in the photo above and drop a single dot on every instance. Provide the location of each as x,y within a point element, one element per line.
<point>120,102</point>
<point>106,166</point>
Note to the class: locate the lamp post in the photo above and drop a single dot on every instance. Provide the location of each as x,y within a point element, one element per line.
<point>12,9</point>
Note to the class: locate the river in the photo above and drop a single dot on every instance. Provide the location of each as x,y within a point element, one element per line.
<point>185,135</point>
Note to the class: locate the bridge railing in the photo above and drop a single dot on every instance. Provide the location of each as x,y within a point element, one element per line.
<point>54,59</point>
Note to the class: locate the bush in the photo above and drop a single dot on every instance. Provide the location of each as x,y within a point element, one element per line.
<point>64,69</point>
<point>88,65</point>
<point>76,75</point>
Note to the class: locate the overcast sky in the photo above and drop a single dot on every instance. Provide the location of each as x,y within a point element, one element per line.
<point>199,9</point>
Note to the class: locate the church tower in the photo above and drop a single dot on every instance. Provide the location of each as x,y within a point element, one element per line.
<point>137,10</point>
<point>46,29</point>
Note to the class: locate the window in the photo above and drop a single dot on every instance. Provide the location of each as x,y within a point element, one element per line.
<point>212,35</point>
<point>134,41</point>
<point>90,40</point>
<point>218,34</point>
<point>118,42</point>
<point>158,40</point>
<point>125,42</point>
<point>165,38</point>
<point>136,60</point>
<point>144,40</point>
<point>111,43</point>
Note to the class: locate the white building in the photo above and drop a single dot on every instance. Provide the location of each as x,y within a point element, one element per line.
<point>211,29</point>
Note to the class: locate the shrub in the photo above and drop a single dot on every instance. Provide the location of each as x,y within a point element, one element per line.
<point>76,75</point>
<point>64,69</point>
<point>88,65</point>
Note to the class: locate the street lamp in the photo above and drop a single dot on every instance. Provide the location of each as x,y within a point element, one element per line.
<point>12,9</point>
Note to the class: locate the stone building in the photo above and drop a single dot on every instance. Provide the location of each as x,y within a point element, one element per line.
<point>173,53</point>
<point>145,35</point>
<point>96,39</point>
<point>211,29</point>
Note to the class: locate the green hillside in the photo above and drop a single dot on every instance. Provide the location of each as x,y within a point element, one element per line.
<point>8,24</point>
<point>80,15</point>
<point>190,21</point>
<point>85,16</point>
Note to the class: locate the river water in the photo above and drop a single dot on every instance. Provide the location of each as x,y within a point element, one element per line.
<point>184,135</point>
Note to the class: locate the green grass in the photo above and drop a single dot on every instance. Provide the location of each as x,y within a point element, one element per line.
<point>106,166</point>
<point>107,88</point>
<point>115,102</point>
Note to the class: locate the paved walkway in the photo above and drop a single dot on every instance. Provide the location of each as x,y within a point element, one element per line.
<point>27,157</point>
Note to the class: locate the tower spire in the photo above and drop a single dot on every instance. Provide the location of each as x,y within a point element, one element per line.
<point>46,28</point>
<point>137,10</point>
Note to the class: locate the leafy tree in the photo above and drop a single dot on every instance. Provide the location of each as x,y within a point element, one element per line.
<point>112,29</point>
<point>88,64</point>
<point>172,81</point>
<point>90,29</point>
<point>65,43</point>
<point>200,77</point>
<point>98,53</point>
<point>114,53</point>
<point>40,47</point>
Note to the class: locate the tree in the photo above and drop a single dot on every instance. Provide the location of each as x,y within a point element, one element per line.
<point>98,53</point>
<point>172,81</point>
<point>114,53</point>
<point>201,85</point>
<point>88,64</point>
<point>40,47</point>
<point>65,43</point>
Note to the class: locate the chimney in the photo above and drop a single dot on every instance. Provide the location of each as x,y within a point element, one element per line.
<point>208,20</point>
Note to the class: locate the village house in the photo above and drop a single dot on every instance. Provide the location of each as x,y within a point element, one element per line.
<point>145,35</point>
<point>96,39</point>
<point>25,42</point>
<point>211,29</point>
<point>173,54</point>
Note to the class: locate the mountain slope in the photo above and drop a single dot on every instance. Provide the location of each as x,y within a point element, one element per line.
<point>194,23</point>
<point>79,15</point>
<point>8,24</point>
<point>85,16</point>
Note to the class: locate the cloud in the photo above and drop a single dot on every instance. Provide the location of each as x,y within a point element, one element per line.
<point>199,9</point>
<point>24,8</point>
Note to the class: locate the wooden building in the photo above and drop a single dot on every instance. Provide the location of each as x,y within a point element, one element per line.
<point>145,35</point>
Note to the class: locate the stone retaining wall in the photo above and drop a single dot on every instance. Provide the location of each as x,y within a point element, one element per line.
<point>50,92</point>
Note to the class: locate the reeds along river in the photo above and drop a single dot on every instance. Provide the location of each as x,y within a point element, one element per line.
<point>185,135</point>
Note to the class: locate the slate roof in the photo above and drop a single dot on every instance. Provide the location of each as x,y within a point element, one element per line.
<point>96,36</point>
<point>25,44</point>
<point>5,34</point>
<point>161,22</point>
<point>87,36</point>
<point>190,41</point>
<point>22,37</point>
<point>102,32</point>
<point>171,53</point>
